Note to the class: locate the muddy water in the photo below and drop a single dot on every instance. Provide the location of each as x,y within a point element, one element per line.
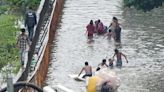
<point>142,42</point>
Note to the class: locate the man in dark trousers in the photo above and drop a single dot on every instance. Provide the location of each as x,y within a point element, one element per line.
<point>30,22</point>
<point>118,34</point>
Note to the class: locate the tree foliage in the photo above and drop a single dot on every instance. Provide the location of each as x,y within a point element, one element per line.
<point>145,5</point>
<point>20,4</point>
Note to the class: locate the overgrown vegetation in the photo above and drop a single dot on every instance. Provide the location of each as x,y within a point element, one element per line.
<point>8,51</point>
<point>145,5</point>
<point>20,4</point>
<point>9,54</point>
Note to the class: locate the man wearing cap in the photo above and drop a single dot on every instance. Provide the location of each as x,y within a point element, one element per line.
<point>23,44</point>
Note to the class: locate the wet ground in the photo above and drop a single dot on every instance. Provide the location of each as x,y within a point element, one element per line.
<point>142,42</point>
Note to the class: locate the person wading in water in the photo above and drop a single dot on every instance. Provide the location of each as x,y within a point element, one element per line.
<point>90,29</point>
<point>116,30</point>
<point>119,58</point>
<point>88,70</point>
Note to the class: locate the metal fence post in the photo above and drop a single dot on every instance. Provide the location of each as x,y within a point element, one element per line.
<point>10,87</point>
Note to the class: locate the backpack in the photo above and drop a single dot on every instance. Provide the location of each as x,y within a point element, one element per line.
<point>30,19</point>
<point>106,88</point>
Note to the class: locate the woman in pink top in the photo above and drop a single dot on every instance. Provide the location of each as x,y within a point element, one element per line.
<point>90,29</point>
<point>100,28</point>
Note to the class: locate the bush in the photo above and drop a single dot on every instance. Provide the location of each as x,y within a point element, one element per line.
<point>145,5</point>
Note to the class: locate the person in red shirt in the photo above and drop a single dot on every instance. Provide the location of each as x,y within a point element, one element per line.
<point>90,29</point>
<point>100,28</point>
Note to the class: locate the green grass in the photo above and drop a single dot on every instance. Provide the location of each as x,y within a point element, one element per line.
<point>16,68</point>
<point>8,51</point>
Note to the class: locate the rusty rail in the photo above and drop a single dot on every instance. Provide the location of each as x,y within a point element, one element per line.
<point>39,75</point>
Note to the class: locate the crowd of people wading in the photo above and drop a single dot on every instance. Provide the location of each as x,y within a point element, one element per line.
<point>109,81</point>
<point>111,31</point>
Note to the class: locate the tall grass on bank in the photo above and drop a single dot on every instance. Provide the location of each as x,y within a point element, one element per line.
<point>8,52</point>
